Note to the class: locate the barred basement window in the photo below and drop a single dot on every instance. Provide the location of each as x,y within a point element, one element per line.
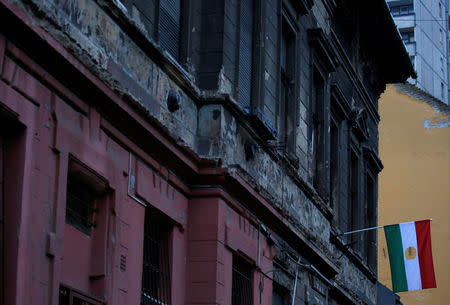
<point>156,288</point>
<point>79,205</point>
<point>241,291</point>
<point>70,297</point>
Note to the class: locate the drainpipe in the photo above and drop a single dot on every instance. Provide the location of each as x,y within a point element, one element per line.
<point>295,282</point>
<point>258,261</point>
<point>311,268</point>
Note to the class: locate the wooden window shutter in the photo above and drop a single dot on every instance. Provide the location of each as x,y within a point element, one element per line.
<point>245,53</point>
<point>169,26</point>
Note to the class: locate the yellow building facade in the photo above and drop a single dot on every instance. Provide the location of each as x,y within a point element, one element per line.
<point>415,182</point>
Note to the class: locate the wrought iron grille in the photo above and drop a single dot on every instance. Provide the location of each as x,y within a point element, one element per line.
<point>79,206</point>
<point>156,268</point>
<point>242,292</point>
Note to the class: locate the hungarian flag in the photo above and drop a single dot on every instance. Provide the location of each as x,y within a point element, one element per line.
<point>409,247</point>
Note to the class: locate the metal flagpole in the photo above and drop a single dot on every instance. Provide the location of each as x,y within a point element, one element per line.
<point>366,229</point>
<point>360,230</point>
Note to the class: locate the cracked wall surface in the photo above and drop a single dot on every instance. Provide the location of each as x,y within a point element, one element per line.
<point>102,36</point>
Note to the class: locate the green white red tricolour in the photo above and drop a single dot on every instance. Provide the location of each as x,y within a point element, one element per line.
<point>410,255</point>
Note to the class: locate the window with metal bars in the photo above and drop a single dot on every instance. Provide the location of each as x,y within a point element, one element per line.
<point>79,205</point>
<point>242,291</point>
<point>156,288</point>
<point>70,297</point>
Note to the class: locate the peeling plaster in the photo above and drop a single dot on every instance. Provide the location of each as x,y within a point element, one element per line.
<point>435,124</point>
<point>440,121</point>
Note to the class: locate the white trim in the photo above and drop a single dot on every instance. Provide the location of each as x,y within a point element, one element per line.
<point>412,268</point>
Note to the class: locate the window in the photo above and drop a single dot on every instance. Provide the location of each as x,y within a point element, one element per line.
<point>317,129</point>
<point>442,90</point>
<point>334,162</point>
<point>407,36</point>
<point>70,297</point>
<point>162,20</point>
<point>402,10</point>
<point>371,221</point>
<point>168,33</point>
<point>245,53</point>
<point>79,205</point>
<point>279,295</point>
<point>440,35</point>
<point>241,291</point>
<point>287,82</point>
<point>440,9</point>
<point>355,209</point>
<point>338,111</point>
<point>156,287</point>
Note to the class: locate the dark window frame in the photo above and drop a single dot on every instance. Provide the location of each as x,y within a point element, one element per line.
<point>339,111</point>
<point>335,160</point>
<point>81,205</point>
<point>242,281</point>
<point>282,294</point>
<point>370,238</point>
<point>355,210</point>
<point>156,263</point>
<point>249,80</point>
<point>67,296</point>
<point>152,11</point>
<point>287,115</point>
<point>402,10</point>
<point>407,36</point>
<point>319,102</point>
<point>81,178</point>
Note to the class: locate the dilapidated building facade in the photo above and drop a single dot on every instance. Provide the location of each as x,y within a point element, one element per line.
<point>191,152</point>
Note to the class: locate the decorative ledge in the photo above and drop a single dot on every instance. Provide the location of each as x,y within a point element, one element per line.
<point>323,48</point>
<point>262,125</point>
<point>372,157</point>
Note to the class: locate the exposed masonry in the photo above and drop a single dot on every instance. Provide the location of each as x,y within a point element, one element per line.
<point>442,110</point>
<point>211,130</point>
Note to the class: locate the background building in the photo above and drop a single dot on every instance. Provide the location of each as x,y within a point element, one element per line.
<point>385,296</point>
<point>415,149</point>
<point>191,152</point>
<point>424,25</point>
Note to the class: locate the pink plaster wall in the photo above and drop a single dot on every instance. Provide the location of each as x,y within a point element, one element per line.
<point>53,126</point>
